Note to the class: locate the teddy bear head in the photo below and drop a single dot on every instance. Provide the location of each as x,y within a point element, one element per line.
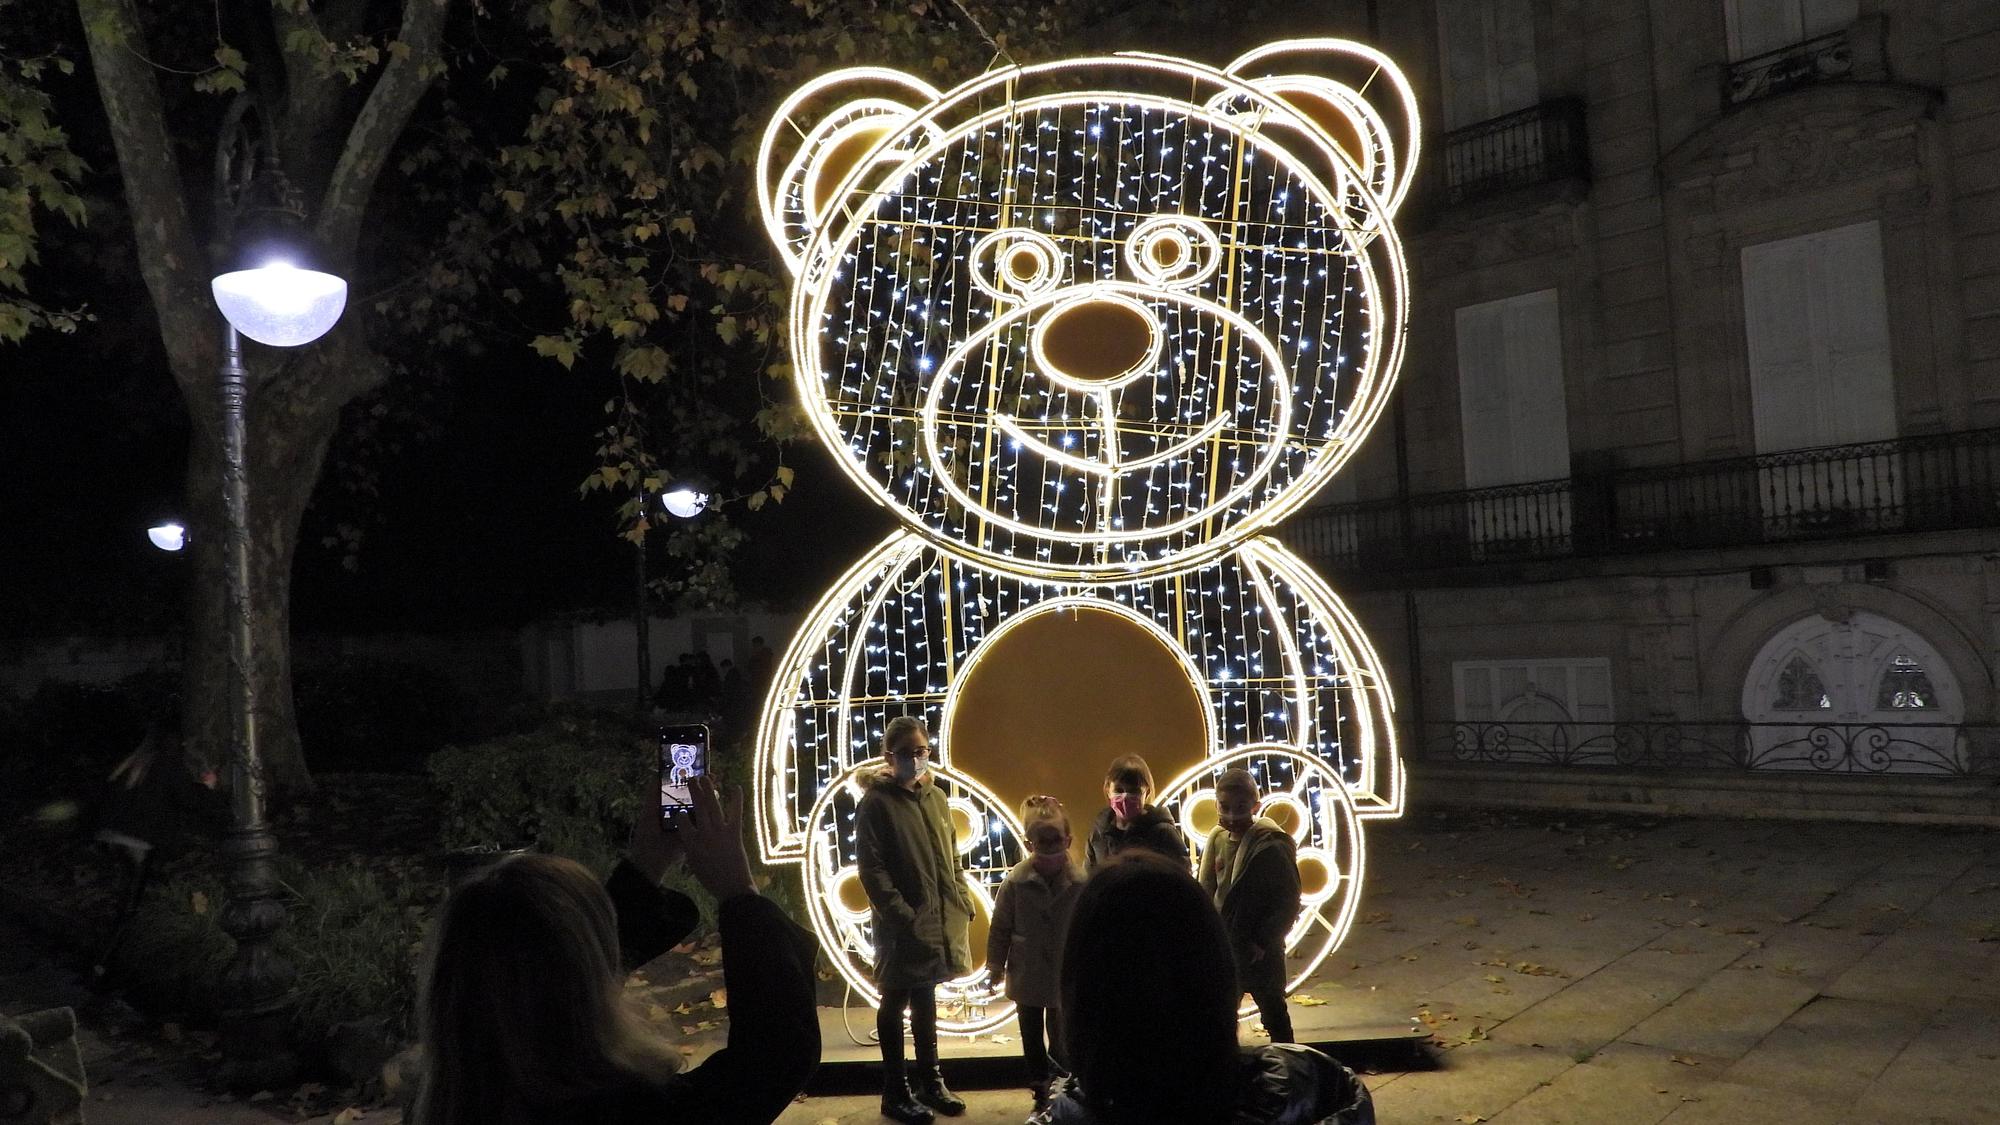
<point>1097,318</point>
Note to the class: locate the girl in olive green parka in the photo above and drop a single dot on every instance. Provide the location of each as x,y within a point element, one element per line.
<point>907,856</point>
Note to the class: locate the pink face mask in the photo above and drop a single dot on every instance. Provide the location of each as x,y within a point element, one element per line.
<point>1125,807</point>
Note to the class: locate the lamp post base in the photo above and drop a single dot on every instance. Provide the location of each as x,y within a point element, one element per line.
<point>258,985</point>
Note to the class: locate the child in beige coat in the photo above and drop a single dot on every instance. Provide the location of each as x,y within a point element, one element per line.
<point>1024,944</point>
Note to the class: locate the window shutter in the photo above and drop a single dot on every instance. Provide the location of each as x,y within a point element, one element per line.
<point>1538,406</point>
<point>1816,328</point>
<point>1777,327</point>
<point>1513,411</point>
<point>1851,318</point>
<point>1487,52</point>
<point>1757,26</point>
<point>1482,395</point>
<point>1821,16</point>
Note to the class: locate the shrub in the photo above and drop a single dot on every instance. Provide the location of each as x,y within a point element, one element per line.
<point>174,950</point>
<point>353,938</point>
<point>570,786</point>
<point>356,941</point>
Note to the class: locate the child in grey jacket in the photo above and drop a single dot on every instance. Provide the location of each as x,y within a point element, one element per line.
<point>1024,943</point>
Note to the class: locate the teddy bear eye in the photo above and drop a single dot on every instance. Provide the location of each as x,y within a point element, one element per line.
<point>1173,250</point>
<point>1015,263</point>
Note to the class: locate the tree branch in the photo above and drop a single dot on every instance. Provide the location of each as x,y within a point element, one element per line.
<point>170,257</point>
<point>380,122</point>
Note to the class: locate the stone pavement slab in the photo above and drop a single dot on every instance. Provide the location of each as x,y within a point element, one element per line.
<point>1624,1082</point>
<point>1579,969</point>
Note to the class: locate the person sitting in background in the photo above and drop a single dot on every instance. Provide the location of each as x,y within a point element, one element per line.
<point>525,1021</point>
<point>156,801</point>
<point>1149,998</point>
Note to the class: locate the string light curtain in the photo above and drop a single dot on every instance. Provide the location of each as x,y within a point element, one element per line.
<point>1088,327</point>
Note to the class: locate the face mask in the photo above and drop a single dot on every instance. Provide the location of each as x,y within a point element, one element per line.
<point>905,768</point>
<point>1049,864</point>
<point>1125,807</point>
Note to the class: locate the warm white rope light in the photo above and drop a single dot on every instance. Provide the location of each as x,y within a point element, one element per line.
<point>1087,340</point>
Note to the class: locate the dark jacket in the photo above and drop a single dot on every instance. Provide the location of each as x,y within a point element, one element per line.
<point>1258,896</point>
<point>1282,1084</point>
<point>1150,829</point>
<point>1030,919</point>
<point>767,970</point>
<point>906,852</point>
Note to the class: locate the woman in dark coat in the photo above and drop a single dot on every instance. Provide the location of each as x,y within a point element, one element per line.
<point>907,855</point>
<point>525,1018</point>
<point>1144,1054</point>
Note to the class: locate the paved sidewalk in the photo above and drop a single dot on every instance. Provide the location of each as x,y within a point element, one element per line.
<point>1691,972</point>
<point>1578,970</point>
<point>137,1076</point>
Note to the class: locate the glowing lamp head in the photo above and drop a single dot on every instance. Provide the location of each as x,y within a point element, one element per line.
<point>684,501</point>
<point>167,536</point>
<point>280,304</point>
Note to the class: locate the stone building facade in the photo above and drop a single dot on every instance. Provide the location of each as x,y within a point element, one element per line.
<point>1696,468</point>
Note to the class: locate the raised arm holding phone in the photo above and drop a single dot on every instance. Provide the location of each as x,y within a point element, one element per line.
<point>525,1018</point>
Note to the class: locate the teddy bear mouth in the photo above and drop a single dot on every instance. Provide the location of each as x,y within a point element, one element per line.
<point>1107,421</point>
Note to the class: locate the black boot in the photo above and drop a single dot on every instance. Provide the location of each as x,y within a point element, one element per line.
<point>898,1104</point>
<point>932,1091</point>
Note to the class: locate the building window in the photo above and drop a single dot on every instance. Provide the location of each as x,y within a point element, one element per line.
<point>1533,691</point>
<point>1487,52</point>
<point>1834,694</point>
<point>1799,688</point>
<point>1816,339</point>
<point>1905,687</point>
<point>1816,327</point>
<point>1758,26</point>
<point>1513,413</point>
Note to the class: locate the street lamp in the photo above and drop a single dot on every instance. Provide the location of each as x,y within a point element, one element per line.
<point>167,535</point>
<point>685,499</point>
<point>282,305</point>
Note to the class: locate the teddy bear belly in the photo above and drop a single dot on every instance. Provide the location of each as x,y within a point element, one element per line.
<point>1031,688</point>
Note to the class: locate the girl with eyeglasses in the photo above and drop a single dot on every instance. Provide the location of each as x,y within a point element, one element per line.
<point>907,856</point>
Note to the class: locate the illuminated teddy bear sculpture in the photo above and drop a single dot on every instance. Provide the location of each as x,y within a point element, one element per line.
<point>1086,328</point>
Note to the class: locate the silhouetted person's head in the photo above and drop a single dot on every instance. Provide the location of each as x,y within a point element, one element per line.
<point>1149,996</point>
<point>524,1007</point>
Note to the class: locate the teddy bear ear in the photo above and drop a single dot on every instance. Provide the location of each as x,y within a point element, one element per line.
<point>1351,96</point>
<point>827,128</point>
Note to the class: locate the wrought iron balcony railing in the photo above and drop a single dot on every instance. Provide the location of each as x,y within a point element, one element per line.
<point>1935,482</point>
<point>1933,750</point>
<point>1823,58</point>
<point>1536,145</point>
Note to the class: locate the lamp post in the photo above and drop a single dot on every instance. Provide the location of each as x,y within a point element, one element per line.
<point>682,499</point>
<point>280,305</point>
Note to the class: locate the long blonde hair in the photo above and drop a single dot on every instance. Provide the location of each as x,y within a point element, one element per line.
<point>524,1012</point>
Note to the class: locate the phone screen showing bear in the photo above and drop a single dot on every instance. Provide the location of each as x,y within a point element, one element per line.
<point>683,757</point>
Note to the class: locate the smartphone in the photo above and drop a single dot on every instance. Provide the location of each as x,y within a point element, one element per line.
<point>683,757</point>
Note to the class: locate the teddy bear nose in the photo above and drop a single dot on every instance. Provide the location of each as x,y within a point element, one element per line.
<point>1096,341</point>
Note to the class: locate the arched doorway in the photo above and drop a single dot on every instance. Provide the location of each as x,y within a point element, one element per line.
<point>1853,692</point>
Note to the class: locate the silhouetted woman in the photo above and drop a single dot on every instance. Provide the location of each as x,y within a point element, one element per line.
<point>1149,999</point>
<point>525,1019</point>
